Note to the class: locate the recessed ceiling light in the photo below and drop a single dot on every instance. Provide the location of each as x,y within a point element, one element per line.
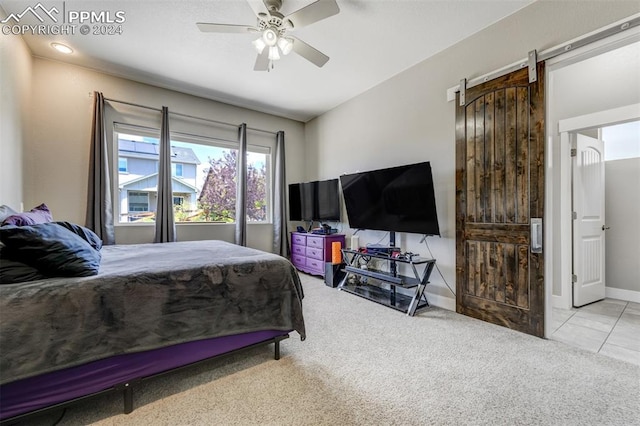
<point>62,48</point>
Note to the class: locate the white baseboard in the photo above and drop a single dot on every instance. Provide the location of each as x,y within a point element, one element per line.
<point>448,303</point>
<point>621,294</point>
<point>560,302</point>
<point>614,293</point>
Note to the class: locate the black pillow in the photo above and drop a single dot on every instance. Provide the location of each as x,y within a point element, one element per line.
<point>12,272</point>
<point>52,249</point>
<point>85,233</point>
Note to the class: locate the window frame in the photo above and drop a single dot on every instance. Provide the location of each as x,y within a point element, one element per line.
<point>265,148</point>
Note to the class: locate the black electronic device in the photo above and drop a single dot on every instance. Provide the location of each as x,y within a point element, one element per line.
<point>301,229</point>
<point>396,199</point>
<point>314,201</point>
<point>324,229</point>
<point>379,249</point>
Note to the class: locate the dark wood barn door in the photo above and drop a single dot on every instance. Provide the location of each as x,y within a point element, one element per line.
<point>499,189</point>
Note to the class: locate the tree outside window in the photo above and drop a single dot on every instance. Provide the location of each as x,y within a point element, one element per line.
<point>218,196</point>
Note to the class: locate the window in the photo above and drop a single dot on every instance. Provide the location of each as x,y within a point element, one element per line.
<point>138,201</point>
<point>621,141</point>
<point>122,165</point>
<point>204,184</point>
<point>176,169</point>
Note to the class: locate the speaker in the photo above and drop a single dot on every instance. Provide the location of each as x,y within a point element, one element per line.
<point>333,274</point>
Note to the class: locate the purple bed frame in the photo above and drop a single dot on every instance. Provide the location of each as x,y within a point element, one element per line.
<point>36,395</point>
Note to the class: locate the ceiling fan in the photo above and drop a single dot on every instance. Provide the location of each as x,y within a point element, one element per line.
<point>274,28</point>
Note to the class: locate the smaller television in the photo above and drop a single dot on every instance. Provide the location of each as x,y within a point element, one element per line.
<point>396,199</point>
<point>314,201</point>
<point>295,202</point>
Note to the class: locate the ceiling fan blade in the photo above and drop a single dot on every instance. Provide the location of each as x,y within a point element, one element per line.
<point>311,54</point>
<point>259,8</point>
<point>262,61</point>
<point>225,28</point>
<point>314,12</point>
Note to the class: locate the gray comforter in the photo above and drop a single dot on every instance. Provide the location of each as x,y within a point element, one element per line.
<point>146,296</point>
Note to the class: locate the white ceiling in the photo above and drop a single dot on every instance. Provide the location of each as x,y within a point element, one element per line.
<point>368,42</point>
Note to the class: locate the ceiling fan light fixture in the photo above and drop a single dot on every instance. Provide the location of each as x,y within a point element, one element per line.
<point>259,44</point>
<point>274,55</point>
<point>270,37</point>
<point>285,45</point>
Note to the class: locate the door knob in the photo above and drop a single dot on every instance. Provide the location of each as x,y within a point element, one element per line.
<point>604,228</point>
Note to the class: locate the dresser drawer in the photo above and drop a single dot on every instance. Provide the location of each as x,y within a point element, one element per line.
<point>298,260</point>
<point>316,242</point>
<point>315,265</point>
<point>298,249</point>
<point>315,253</point>
<point>299,239</point>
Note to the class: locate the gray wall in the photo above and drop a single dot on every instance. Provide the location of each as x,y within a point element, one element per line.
<point>15,89</point>
<point>57,149</point>
<point>622,212</point>
<point>407,119</point>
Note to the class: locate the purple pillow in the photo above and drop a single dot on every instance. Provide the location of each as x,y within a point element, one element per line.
<point>36,215</point>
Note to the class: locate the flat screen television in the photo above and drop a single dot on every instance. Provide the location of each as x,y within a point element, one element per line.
<point>314,201</point>
<point>399,199</point>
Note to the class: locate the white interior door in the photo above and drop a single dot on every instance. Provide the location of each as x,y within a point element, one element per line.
<point>589,221</point>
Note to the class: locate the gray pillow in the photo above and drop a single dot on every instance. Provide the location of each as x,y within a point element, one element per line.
<point>85,233</point>
<point>5,212</point>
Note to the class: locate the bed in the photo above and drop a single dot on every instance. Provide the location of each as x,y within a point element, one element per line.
<point>152,308</point>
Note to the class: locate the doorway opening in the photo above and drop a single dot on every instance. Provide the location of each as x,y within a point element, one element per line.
<point>605,170</point>
<point>587,92</point>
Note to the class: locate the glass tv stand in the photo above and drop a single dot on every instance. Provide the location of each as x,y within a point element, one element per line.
<point>381,286</point>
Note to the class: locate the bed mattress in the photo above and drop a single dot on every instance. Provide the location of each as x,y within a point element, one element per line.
<point>146,296</point>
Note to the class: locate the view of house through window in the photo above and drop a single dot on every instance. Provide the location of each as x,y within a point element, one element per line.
<point>203,180</point>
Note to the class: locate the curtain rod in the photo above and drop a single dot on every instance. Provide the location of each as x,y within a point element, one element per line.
<point>188,116</point>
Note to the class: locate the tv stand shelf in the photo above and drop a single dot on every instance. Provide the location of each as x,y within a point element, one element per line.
<point>358,281</point>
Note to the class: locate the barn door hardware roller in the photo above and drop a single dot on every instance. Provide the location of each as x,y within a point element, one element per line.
<point>533,61</point>
<point>463,91</point>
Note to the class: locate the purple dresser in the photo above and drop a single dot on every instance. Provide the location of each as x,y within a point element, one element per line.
<point>309,252</point>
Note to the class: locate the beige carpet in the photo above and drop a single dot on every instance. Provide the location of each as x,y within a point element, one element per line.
<point>365,364</point>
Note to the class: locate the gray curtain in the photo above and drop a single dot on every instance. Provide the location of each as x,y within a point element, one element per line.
<point>165,225</point>
<point>99,216</point>
<point>280,232</point>
<point>241,187</point>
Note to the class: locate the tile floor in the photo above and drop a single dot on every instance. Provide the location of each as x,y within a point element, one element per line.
<point>610,327</point>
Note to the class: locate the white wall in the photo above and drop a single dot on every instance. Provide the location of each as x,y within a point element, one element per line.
<point>407,118</point>
<point>604,82</point>
<point>57,151</point>
<point>622,212</point>
<point>15,85</point>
